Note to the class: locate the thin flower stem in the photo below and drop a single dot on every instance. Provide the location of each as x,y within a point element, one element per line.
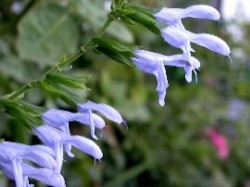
<point>83,50</point>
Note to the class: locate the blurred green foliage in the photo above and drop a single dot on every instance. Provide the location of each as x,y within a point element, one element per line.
<point>163,146</point>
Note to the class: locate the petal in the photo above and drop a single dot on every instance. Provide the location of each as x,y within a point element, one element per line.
<point>176,60</point>
<point>85,145</point>
<point>59,156</point>
<point>39,154</point>
<point>98,121</point>
<point>162,84</point>
<point>169,15</point>
<point>55,118</point>
<point>18,173</point>
<point>196,63</point>
<point>44,175</point>
<point>201,12</point>
<point>212,43</point>
<point>92,126</point>
<point>50,136</point>
<point>176,37</point>
<point>144,66</point>
<point>18,146</point>
<point>108,111</point>
<point>40,158</point>
<point>188,74</point>
<point>67,147</point>
<point>7,168</point>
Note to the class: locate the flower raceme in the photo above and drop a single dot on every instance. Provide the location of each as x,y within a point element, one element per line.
<point>55,132</point>
<point>55,135</point>
<point>177,36</point>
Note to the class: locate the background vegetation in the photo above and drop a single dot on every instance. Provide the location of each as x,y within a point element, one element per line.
<point>163,146</point>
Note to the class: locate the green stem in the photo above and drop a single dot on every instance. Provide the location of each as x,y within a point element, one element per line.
<point>83,49</point>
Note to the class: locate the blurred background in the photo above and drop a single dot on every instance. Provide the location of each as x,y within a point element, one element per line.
<point>199,138</point>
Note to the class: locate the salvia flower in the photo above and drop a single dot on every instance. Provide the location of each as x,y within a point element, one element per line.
<point>173,16</point>
<point>60,119</point>
<point>106,110</point>
<point>13,155</point>
<point>56,139</point>
<point>47,176</point>
<point>179,60</point>
<point>180,39</point>
<point>153,64</point>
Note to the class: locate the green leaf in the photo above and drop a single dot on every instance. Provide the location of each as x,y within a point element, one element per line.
<point>45,33</point>
<point>57,91</point>
<point>13,67</point>
<point>113,45</point>
<point>117,56</point>
<point>141,16</point>
<point>68,80</point>
<point>116,50</point>
<point>27,114</point>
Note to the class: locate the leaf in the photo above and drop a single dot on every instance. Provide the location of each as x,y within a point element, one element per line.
<point>141,16</point>
<point>45,33</point>
<point>57,92</point>
<point>68,80</point>
<point>116,56</point>
<point>113,45</point>
<point>27,114</point>
<point>12,67</point>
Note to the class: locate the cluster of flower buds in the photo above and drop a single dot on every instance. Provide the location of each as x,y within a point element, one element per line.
<point>44,162</point>
<point>177,36</point>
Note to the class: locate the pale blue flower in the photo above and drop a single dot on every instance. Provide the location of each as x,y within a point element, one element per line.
<point>108,111</point>
<point>39,154</point>
<point>152,63</point>
<point>47,176</point>
<point>182,38</point>
<point>60,119</point>
<point>179,60</point>
<point>173,16</point>
<point>55,139</point>
<point>13,154</point>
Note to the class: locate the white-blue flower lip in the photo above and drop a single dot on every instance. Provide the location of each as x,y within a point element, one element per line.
<point>106,110</point>
<point>173,16</point>
<point>181,38</point>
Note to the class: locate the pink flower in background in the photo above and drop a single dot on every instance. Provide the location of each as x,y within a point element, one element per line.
<point>219,141</point>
